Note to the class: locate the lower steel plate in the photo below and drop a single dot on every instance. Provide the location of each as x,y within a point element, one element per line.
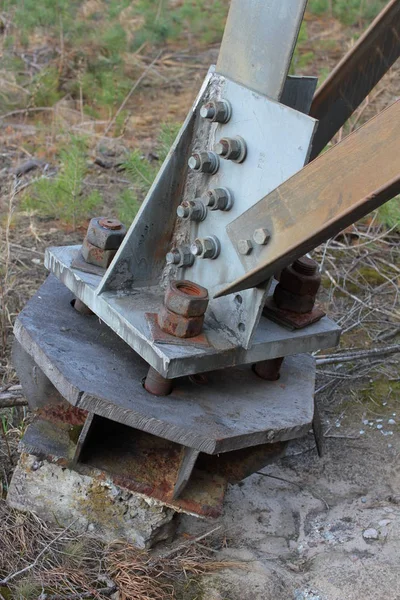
<point>95,370</point>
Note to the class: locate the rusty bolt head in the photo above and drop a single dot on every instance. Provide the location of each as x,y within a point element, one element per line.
<point>219,111</point>
<point>234,149</point>
<point>219,199</point>
<point>204,162</point>
<point>186,298</point>
<point>195,210</point>
<point>305,266</point>
<point>261,236</point>
<point>96,256</point>
<point>208,247</point>
<point>178,325</point>
<point>109,223</point>
<point>244,247</point>
<point>106,234</point>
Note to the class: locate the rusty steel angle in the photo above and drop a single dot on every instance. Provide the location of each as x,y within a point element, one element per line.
<point>356,75</point>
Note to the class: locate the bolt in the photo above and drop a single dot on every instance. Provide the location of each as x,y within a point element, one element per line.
<point>194,210</point>
<point>245,247</point>
<point>261,236</point>
<point>156,384</point>
<point>181,257</point>
<point>232,149</point>
<point>204,162</point>
<point>208,247</point>
<point>216,111</point>
<point>112,224</point>
<point>219,199</point>
<point>305,266</point>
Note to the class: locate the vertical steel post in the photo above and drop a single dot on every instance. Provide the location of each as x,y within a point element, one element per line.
<point>258,43</point>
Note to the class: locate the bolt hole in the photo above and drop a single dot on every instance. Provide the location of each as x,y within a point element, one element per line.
<point>242,327</point>
<point>238,301</point>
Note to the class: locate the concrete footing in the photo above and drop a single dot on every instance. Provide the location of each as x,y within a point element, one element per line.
<point>67,498</point>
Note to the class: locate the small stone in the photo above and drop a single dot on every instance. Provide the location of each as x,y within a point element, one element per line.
<point>338,424</point>
<point>362,431</point>
<point>390,446</point>
<point>379,420</point>
<point>370,534</point>
<point>363,500</point>
<point>392,422</point>
<point>394,414</point>
<point>384,522</point>
<point>365,422</point>
<point>379,426</point>
<point>384,403</point>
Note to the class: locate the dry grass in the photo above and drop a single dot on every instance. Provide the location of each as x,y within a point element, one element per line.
<point>47,563</point>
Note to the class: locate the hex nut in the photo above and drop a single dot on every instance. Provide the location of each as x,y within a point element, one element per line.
<point>234,149</point>
<point>219,199</point>
<point>299,283</point>
<point>244,247</point>
<point>193,210</point>
<point>97,256</point>
<point>186,298</point>
<point>208,247</point>
<point>180,256</point>
<point>299,304</point>
<point>105,238</point>
<point>216,111</point>
<point>178,325</point>
<point>204,162</point>
<point>261,236</point>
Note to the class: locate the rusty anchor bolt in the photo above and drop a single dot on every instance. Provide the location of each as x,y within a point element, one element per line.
<point>208,247</point>
<point>244,247</point>
<point>185,304</point>
<point>219,199</point>
<point>180,256</point>
<point>298,286</point>
<point>193,210</point>
<point>204,162</point>
<point>269,370</point>
<point>234,149</point>
<point>217,111</point>
<point>156,384</point>
<point>106,233</point>
<point>104,237</point>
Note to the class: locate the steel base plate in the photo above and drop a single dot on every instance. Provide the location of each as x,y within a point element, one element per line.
<point>95,370</point>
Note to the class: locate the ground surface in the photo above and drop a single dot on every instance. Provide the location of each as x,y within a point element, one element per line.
<point>300,530</point>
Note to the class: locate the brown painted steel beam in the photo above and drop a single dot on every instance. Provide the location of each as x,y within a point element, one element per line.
<point>342,185</point>
<point>356,75</point>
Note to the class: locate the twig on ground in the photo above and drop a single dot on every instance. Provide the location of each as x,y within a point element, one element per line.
<point>362,355</point>
<point>133,88</point>
<point>7,579</point>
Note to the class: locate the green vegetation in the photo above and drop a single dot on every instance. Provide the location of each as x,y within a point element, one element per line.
<point>142,173</point>
<point>100,63</point>
<point>389,214</point>
<point>350,12</point>
<point>63,196</point>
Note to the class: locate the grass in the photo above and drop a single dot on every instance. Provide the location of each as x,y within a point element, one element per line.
<point>349,12</point>
<point>63,197</point>
<point>142,173</point>
<point>389,214</point>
